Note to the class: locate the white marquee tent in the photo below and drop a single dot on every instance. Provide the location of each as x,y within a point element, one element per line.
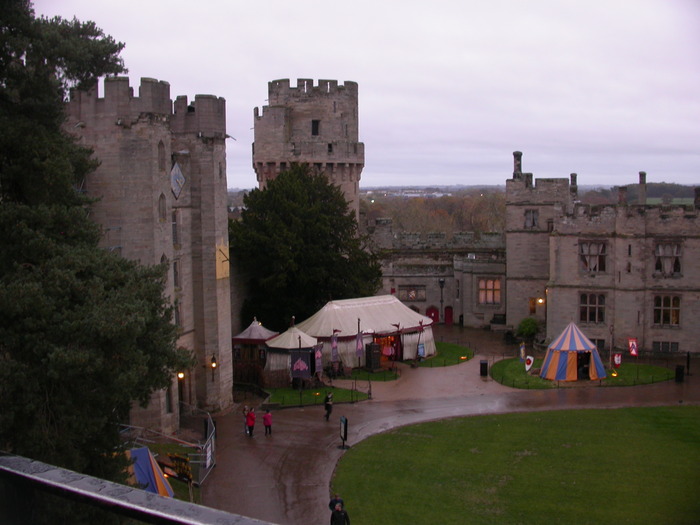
<point>377,316</point>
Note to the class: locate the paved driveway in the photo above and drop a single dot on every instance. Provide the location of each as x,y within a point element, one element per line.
<point>285,478</point>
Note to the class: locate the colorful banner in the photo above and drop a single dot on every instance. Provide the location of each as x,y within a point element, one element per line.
<point>301,364</point>
<point>318,354</point>
<point>334,348</point>
<point>359,348</point>
<point>632,344</point>
<point>617,360</point>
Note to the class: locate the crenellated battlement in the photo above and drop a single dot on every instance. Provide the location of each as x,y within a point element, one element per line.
<point>119,101</point>
<point>281,90</point>
<point>205,115</point>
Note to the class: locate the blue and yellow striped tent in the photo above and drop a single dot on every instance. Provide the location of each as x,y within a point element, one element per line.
<point>572,356</point>
<point>145,473</point>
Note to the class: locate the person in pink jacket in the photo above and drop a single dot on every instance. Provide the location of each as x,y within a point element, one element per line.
<point>267,421</point>
<point>250,421</point>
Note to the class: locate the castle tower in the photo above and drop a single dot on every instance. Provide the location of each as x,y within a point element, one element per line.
<point>531,212</point>
<point>161,187</point>
<point>314,125</point>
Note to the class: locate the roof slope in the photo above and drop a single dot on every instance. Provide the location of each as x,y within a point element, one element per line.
<point>256,332</point>
<point>291,339</point>
<point>379,314</point>
<point>572,339</point>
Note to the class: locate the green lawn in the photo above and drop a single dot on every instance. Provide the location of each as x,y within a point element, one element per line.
<point>632,465</point>
<point>448,354</point>
<point>511,372</point>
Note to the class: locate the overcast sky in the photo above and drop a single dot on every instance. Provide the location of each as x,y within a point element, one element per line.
<point>447,89</point>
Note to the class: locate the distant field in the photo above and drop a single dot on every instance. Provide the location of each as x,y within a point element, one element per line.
<point>632,465</point>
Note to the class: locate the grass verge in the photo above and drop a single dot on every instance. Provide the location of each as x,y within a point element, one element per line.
<point>568,467</point>
<point>511,372</point>
<point>448,354</point>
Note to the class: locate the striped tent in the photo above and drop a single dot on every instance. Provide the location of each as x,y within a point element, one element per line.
<point>145,472</point>
<point>572,356</point>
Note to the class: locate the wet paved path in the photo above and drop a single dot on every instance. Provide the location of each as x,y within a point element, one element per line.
<point>285,478</point>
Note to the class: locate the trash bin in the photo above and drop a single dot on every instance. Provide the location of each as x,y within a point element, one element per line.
<point>680,372</point>
<point>484,368</point>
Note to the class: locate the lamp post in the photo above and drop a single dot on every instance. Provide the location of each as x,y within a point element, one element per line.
<point>441,282</point>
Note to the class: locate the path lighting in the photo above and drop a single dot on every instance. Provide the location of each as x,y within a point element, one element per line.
<point>213,366</point>
<point>181,375</point>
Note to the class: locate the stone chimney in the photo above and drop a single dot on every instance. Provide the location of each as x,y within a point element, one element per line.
<point>642,187</point>
<point>517,165</point>
<point>573,189</point>
<point>622,195</point>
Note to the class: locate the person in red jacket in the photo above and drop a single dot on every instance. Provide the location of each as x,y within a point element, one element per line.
<point>267,421</point>
<point>250,421</point>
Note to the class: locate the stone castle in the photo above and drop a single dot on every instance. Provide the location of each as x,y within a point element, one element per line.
<point>619,271</point>
<point>162,196</point>
<point>622,271</point>
<point>311,124</point>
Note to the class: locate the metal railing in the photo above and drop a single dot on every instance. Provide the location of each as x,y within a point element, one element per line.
<point>21,478</point>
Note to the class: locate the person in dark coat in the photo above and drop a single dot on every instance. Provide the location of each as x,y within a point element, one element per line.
<point>334,501</point>
<point>339,516</point>
<point>328,404</point>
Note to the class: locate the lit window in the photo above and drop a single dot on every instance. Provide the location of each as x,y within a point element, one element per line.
<point>667,310</point>
<point>489,291</point>
<point>412,293</point>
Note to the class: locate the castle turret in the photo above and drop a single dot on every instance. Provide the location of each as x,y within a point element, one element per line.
<point>160,196</point>
<point>311,124</point>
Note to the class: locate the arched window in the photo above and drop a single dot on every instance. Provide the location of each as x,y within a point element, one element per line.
<point>161,208</point>
<point>161,156</point>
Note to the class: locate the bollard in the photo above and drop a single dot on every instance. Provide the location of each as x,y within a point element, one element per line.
<point>484,368</point>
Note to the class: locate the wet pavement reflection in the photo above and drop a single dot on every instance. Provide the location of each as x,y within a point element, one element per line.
<point>285,478</point>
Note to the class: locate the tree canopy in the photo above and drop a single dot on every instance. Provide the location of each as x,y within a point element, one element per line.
<point>298,245</point>
<point>83,332</point>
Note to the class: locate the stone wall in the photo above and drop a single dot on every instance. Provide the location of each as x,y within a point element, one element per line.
<point>311,124</point>
<point>151,216</point>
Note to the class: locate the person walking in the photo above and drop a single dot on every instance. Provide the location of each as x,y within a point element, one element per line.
<point>328,404</point>
<point>334,501</point>
<point>267,421</point>
<point>250,421</point>
<point>339,516</point>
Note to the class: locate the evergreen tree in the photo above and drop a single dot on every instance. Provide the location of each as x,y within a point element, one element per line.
<point>298,245</point>
<point>83,332</point>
